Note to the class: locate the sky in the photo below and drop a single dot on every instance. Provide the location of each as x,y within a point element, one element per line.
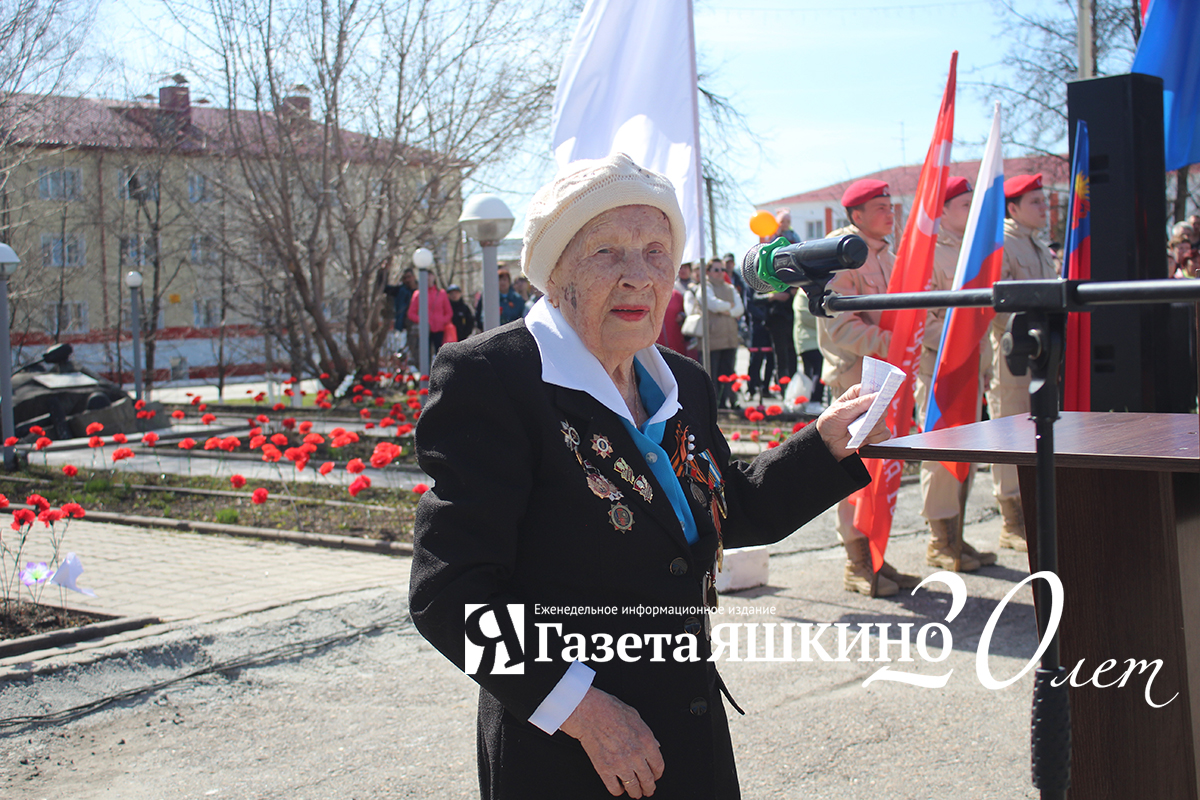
<point>833,89</point>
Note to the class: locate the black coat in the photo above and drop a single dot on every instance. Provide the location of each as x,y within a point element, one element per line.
<point>511,519</point>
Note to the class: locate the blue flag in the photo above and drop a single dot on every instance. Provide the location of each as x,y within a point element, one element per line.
<point>1170,49</point>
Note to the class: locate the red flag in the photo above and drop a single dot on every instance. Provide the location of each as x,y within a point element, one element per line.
<point>875,504</point>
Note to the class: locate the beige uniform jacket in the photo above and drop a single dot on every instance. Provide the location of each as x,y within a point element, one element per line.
<point>1026,257</point>
<point>846,338</point>
<point>945,261</point>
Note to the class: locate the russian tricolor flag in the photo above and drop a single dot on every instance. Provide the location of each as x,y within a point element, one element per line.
<point>953,399</point>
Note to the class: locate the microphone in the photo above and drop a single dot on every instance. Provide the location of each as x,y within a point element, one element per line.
<point>805,264</point>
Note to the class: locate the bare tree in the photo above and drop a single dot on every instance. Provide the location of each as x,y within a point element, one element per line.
<point>39,42</point>
<point>1043,55</point>
<point>350,127</point>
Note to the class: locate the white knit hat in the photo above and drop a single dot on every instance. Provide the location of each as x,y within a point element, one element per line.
<point>584,191</point>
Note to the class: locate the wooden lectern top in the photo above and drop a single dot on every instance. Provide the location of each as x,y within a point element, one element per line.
<point>1105,440</point>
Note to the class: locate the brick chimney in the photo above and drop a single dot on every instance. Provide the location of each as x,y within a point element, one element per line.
<point>176,102</point>
<point>298,104</point>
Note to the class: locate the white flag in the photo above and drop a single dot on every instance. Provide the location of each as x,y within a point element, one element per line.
<point>628,85</point>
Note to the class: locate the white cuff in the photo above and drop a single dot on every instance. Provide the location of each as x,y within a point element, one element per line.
<point>564,697</point>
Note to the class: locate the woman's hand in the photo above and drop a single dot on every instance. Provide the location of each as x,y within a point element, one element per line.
<point>622,748</point>
<point>833,424</point>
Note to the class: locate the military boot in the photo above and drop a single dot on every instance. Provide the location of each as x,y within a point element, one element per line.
<point>901,579</point>
<point>945,549</point>
<point>860,576</point>
<point>1013,535</point>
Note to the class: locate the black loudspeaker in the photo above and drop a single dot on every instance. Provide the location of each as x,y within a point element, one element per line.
<point>1133,353</point>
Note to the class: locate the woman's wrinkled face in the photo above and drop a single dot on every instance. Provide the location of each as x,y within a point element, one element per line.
<point>614,280</point>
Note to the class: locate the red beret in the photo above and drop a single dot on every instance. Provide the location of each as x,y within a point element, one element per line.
<point>1018,185</point>
<point>956,186</point>
<point>863,190</point>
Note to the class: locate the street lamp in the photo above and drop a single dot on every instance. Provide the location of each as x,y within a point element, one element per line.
<point>486,219</point>
<point>133,279</point>
<point>8,265</point>
<point>423,259</point>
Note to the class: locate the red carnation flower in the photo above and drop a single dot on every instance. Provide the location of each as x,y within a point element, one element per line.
<point>288,422</point>
<point>188,443</point>
<point>10,441</point>
<point>355,466</point>
<point>42,443</point>
<point>208,419</point>
<point>360,483</point>
<point>22,517</point>
<point>259,496</point>
<point>150,438</point>
<point>94,428</point>
<point>178,414</point>
<point>95,441</point>
<point>38,501</point>
<point>120,438</point>
<point>278,407</point>
<point>37,430</point>
<point>238,481</point>
<point>70,470</point>
<point>420,488</point>
<point>121,453</point>
<point>325,468</point>
<point>279,440</point>
<point>73,510</point>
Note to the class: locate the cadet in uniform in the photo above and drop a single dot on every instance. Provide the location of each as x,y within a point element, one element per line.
<point>843,341</point>
<point>1026,257</point>
<point>943,498</point>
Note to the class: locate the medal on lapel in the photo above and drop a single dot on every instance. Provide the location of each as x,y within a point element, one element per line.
<point>621,517</point>
<point>638,482</point>
<point>618,514</point>
<point>601,445</point>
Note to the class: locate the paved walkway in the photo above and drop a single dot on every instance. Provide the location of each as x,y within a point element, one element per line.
<point>189,577</point>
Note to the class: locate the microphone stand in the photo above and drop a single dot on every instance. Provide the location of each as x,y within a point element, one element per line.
<point>1034,341</point>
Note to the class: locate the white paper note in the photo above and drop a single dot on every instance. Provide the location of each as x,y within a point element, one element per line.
<point>877,376</point>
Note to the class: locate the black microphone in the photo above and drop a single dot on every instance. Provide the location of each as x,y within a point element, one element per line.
<point>805,264</point>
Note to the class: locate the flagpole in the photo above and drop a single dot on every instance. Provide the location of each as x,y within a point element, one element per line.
<point>705,358</point>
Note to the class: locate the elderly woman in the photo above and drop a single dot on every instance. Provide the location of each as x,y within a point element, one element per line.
<point>582,496</point>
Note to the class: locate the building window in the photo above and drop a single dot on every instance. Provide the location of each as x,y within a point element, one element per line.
<point>60,184</point>
<point>67,317</point>
<point>207,312</point>
<point>137,250</point>
<point>814,229</point>
<point>137,184</point>
<point>59,251</point>
<point>202,250</point>
<point>199,189</point>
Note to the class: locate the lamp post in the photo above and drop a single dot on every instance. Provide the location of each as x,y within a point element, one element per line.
<point>133,279</point>
<point>423,259</point>
<point>486,219</point>
<point>8,265</point>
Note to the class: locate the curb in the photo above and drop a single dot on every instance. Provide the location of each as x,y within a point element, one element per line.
<point>66,636</point>
<point>270,534</point>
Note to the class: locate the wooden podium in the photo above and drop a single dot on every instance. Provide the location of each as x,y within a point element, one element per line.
<point>1128,495</point>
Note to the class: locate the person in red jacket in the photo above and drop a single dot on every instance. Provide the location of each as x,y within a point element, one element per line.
<point>440,313</point>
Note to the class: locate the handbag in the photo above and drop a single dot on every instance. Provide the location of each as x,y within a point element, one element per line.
<point>693,326</point>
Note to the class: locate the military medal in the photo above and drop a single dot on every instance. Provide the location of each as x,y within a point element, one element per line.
<point>621,517</point>
<point>602,446</point>
<point>601,486</point>
<point>638,482</point>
